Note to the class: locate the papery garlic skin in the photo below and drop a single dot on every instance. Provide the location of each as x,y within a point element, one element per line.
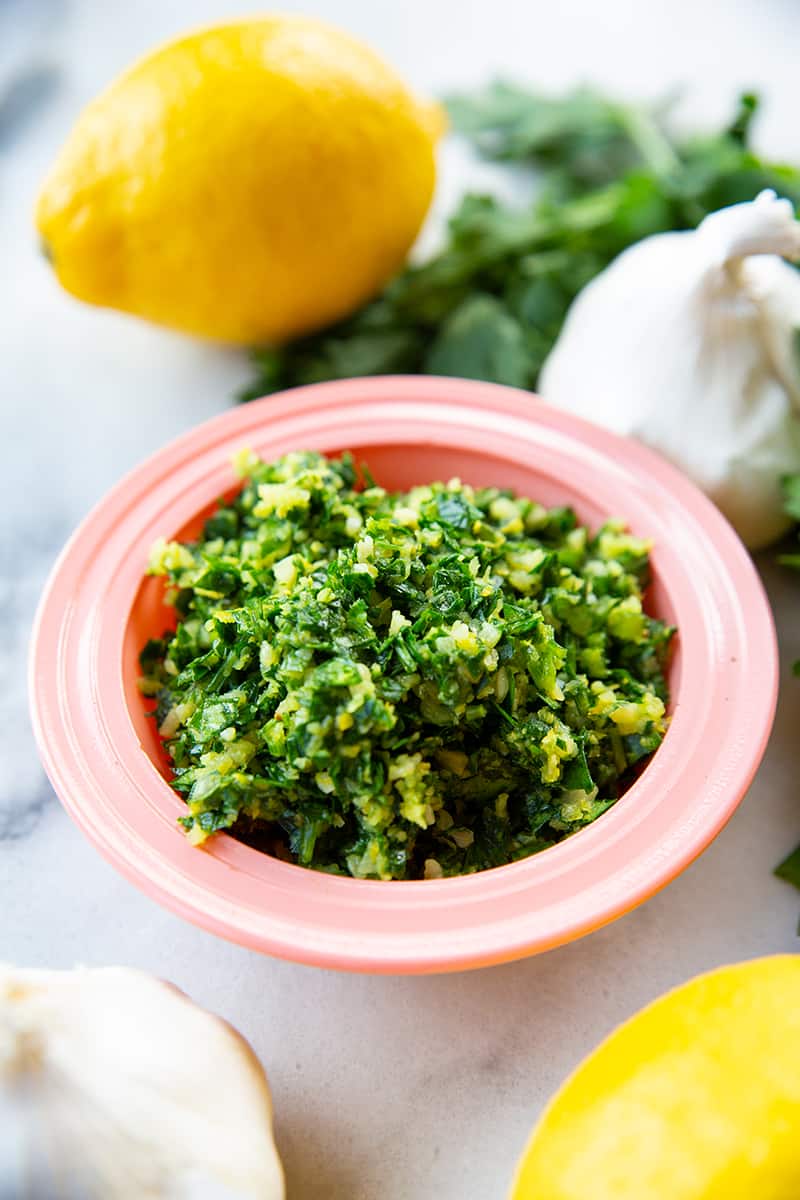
<point>136,1086</point>
<point>686,342</point>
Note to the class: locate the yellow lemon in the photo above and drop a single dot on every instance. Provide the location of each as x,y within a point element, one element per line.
<point>697,1097</point>
<point>248,182</point>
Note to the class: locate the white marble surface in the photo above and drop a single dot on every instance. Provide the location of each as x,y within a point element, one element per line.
<point>385,1087</point>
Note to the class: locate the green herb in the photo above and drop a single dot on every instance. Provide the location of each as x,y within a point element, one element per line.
<point>790,485</point>
<point>402,685</point>
<point>789,869</point>
<point>491,303</point>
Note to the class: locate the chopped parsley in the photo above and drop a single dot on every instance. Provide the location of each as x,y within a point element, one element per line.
<point>402,686</point>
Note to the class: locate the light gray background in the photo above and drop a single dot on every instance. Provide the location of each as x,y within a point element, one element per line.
<point>391,1088</point>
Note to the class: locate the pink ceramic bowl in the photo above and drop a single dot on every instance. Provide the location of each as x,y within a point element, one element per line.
<point>104,758</point>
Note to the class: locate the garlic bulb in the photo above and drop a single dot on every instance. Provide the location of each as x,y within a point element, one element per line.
<point>116,1085</point>
<point>686,342</point>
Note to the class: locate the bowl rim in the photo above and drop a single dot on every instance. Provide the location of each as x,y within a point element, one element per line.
<point>723,711</point>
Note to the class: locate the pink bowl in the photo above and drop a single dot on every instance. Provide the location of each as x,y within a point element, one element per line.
<point>104,759</point>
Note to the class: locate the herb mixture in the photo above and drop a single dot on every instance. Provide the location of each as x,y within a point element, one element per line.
<point>401,686</point>
<point>491,303</point>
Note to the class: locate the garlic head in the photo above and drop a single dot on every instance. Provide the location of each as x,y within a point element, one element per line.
<point>687,343</point>
<point>128,1090</point>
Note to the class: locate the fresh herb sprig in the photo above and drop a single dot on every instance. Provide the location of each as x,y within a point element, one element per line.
<point>789,869</point>
<point>491,303</point>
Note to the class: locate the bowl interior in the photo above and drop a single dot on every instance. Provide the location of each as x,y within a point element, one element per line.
<point>396,467</point>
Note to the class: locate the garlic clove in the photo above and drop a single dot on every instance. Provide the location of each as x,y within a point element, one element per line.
<point>765,225</point>
<point>127,1086</point>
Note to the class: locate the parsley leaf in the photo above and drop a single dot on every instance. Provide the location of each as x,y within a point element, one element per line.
<point>790,485</point>
<point>481,339</point>
<point>789,869</point>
